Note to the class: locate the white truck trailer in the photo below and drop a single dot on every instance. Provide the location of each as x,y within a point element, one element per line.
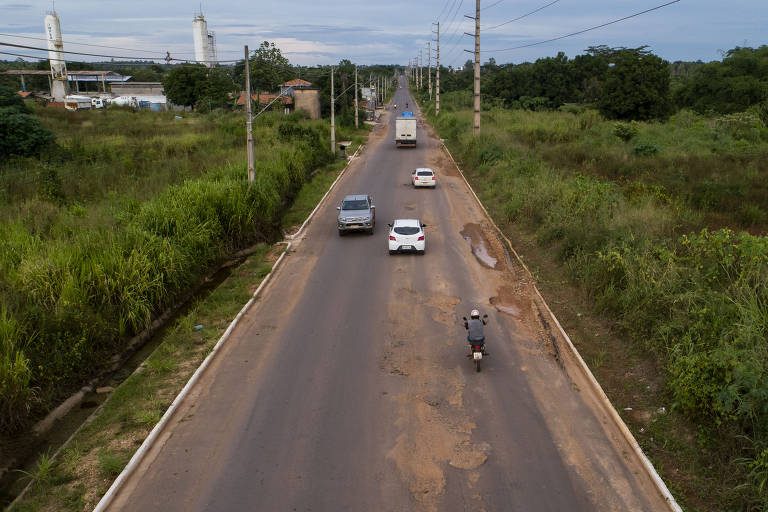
<point>405,130</point>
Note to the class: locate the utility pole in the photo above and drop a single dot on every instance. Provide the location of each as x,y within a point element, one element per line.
<point>356,125</point>
<point>437,74</point>
<point>429,68</point>
<point>421,75</point>
<point>476,120</point>
<point>333,113</point>
<point>249,120</point>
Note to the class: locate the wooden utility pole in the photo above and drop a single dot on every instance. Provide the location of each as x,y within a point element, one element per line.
<point>333,121</point>
<point>249,120</point>
<point>437,73</point>
<point>476,120</point>
<point>429,68</point>
<point>356,125</point>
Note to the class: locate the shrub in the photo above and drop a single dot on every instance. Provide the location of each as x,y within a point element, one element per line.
<point>625,131</point>
<point>645,149</point>
<point>22,134</point>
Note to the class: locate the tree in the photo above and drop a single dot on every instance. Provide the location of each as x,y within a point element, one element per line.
<point>636,86</point>
<point>183,85</point>
<point>733,85</point>
<point>269,68</point>
<point>21,133</point>
<point>215,90</point>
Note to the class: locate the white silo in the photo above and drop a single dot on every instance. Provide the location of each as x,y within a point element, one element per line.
<point>59,83</point>
<point>205,42</point>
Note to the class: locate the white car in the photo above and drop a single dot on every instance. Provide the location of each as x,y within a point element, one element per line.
<point>407,235</point>
<point>423,177</point>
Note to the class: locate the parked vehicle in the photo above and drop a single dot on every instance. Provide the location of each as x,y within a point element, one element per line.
<point>423,177</point>
<point>76,102</point>
<point>407,235</point>
<point>405,130</point>
<point>356,213</point>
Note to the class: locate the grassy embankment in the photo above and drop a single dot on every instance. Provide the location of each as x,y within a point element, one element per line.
<point>652,222</point>
<point>80,475</point>
<point>131,211</point>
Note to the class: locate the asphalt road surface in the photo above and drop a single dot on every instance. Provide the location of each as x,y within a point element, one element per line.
<point>346,387</point>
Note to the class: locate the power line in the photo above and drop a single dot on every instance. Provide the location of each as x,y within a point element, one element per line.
<point>494,4</point>
<point>26,47</point>
<point>585,30</point>
<point>443,9</point>
<point>85,44</point>
<point>454,40</point>
<point>523,16</point>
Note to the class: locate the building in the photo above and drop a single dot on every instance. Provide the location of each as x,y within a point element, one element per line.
<point>266,98</point>
<point>305,97</point>
<point>138,88</point>
<point>75,81</point>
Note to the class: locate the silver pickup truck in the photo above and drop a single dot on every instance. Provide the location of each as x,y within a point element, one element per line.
<point>357,213</point>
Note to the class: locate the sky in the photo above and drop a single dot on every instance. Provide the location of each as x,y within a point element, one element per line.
<point>313,32</point>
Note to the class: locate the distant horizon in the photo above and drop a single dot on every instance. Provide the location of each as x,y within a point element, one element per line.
<point>309,34</point>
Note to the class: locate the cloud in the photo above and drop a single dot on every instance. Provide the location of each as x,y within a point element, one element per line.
<point>15,7</point>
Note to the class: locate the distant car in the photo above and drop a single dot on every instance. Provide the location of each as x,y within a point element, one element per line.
<point>407,235</point>
<point>423,177</point>
<point>357,213</point>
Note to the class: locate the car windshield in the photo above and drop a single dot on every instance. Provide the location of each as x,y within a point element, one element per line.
<point>406,230</point>
<point>357,204</point>
<point>425,173</point>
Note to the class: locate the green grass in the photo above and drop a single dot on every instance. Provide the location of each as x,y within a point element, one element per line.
<point>656,239</point>
<point>97,454</point>
<point>109,230</point>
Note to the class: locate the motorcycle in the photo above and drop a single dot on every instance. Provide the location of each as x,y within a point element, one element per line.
<point>477,348</point>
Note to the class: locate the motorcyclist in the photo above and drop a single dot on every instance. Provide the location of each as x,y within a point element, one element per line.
<point>474,327</point>
<point>406,105</point>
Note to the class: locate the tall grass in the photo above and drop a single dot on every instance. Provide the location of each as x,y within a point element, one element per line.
<point>635,233</point>
<point>145,213</point>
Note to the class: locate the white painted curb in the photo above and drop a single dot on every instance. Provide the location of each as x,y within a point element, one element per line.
<point>107,499</point>
<point>662,487</point>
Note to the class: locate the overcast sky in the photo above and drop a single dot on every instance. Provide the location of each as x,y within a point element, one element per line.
<point>366,32</point>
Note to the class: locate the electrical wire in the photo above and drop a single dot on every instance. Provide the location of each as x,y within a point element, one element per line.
<point>443,9</point>
<point>2,43</point>
<point>85,44</point>
<point>583,31</point>
<point>521,17</point>
<point>494,4</point>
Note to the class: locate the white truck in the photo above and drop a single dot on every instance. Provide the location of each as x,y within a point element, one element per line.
<point>405,130</point>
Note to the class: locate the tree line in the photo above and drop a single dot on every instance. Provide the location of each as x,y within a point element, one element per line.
<point>624,83</point>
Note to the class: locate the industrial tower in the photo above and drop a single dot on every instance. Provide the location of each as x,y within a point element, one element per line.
<point>205,41</point>
<point>59,83</point>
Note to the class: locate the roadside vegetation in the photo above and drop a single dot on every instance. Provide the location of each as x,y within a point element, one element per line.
<point>116,221</point>
<point>83,469</point>
<point>663,223</point>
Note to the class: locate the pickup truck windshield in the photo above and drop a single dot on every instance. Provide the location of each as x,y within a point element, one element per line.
<point>360,204</point>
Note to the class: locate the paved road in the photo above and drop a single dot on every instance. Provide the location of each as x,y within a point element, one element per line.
<point>347,388</point>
